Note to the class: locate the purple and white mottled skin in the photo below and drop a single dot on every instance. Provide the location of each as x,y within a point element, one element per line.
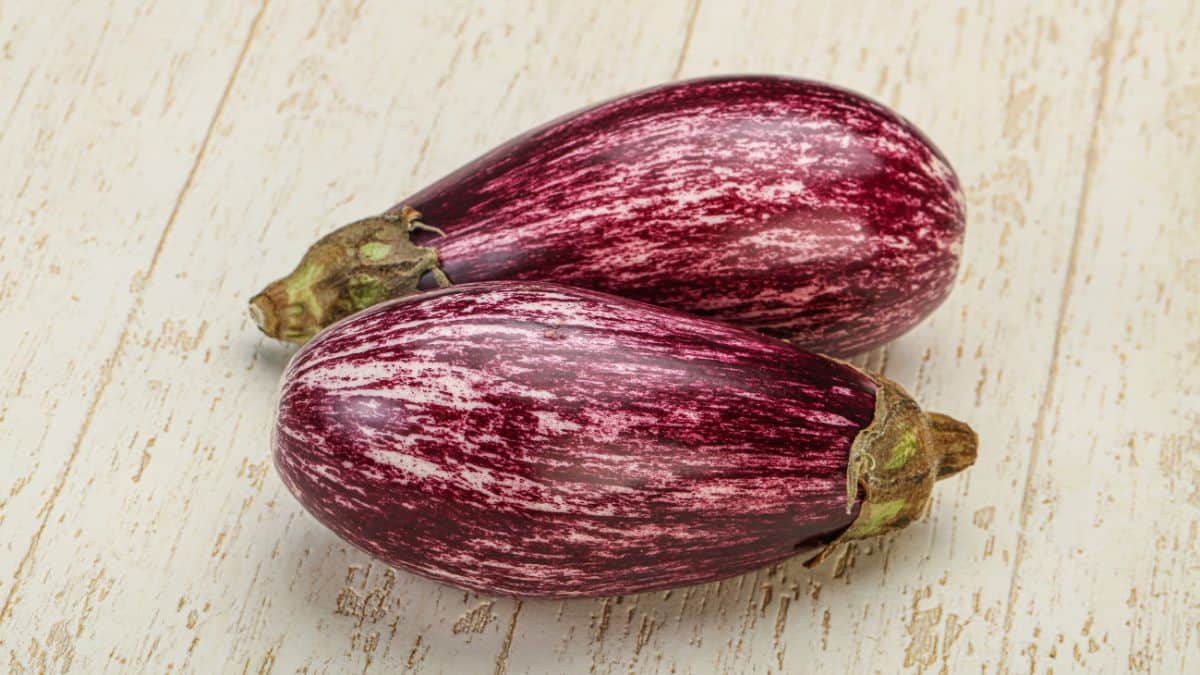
<point>534,439</point>
<point>792,207</point>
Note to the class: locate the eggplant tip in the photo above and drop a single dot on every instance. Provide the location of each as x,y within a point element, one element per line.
<point>262,314</point>
<point>957,443</point>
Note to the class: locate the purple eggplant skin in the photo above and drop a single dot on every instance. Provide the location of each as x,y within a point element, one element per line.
<point>791,207</point>
<point>527,438</point>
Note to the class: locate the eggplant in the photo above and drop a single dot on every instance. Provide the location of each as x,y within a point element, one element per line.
<point>794,208</point>
<point>527,438</point>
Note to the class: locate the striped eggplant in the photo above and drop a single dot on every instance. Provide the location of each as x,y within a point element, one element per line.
<point>528,438</point>
<point>790,207</point>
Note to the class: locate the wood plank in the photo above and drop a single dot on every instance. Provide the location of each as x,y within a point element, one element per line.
<point>161,175</point>
<point>1109,578</point>
<point>101,140</point>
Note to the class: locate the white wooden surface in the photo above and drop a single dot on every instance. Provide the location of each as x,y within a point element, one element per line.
<point>162,160</point>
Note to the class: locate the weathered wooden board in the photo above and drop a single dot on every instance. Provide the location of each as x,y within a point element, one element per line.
<point>164,160</point>
<point>106,114</point>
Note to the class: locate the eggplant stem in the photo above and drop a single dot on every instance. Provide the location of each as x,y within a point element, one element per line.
<point>894,462</point>
<point>957,442</point>
<point>346,271</point>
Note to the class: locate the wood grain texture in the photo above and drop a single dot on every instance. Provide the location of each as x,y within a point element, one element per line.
<point>157,175</point>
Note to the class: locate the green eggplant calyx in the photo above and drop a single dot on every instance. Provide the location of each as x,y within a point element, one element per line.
<point>348,270</point>
<point>895,461</point>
